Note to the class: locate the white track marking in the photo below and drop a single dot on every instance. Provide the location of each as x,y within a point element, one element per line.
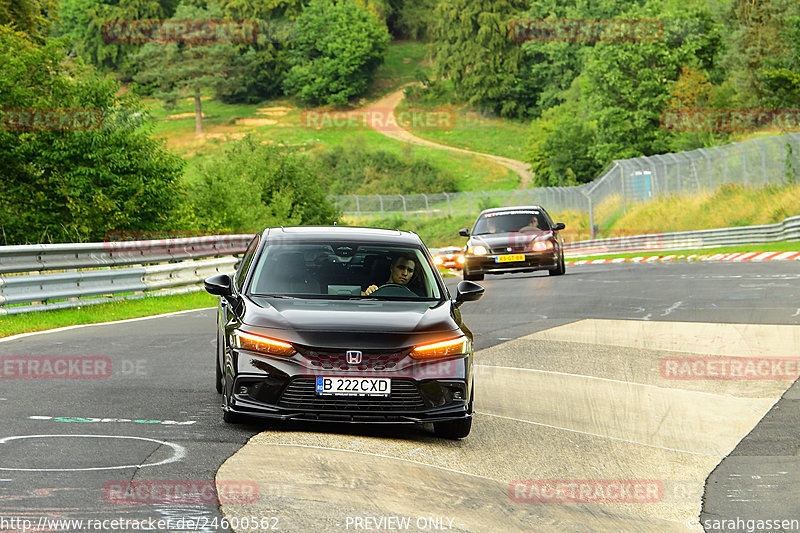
<point>179,452</point>
<point>30,334</point>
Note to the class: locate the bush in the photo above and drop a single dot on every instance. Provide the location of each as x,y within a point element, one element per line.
<point>77,181</point>
<point>352,168</point>
<point>259,185</point>
<point>338,47</point>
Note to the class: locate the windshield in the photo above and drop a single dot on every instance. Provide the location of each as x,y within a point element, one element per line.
<point>344,271</point>
<point>510,221</point>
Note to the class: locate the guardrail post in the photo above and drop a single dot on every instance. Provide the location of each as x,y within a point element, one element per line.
<point>622,186</point>
<point>358,207</point>
<point>469,203</point>
<point>427,205</point>
<point>403,198</point>
<point>380,199</point>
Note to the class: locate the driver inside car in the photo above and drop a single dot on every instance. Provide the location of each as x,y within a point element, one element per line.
<point>401,272</point>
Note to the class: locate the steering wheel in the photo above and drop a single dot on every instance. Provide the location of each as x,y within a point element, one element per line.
<point>393,289</point>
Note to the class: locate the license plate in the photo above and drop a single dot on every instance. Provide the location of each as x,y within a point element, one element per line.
<point>510,258</point>
<point>354,386</point>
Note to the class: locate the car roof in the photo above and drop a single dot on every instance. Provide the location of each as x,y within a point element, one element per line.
<point>512,208</point>
<point>342,233</point>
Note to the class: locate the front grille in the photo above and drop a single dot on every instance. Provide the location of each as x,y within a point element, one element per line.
<point>319,360</point>
<point>302,394</point>
<point>509,248</point>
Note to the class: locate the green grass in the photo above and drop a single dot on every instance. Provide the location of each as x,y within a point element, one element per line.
<point>475,132</point>
<point>91,314</point>
<point>403,60</point>
<point>292,126</point>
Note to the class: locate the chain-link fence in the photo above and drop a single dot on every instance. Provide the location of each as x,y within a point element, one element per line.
<point>624,182</point>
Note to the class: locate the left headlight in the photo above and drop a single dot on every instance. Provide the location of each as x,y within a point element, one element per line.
<point>261,344</point>
<point>446,348</point>
<point>542,246</point>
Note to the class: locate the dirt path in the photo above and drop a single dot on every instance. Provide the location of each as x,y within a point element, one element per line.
<point>376,112</point>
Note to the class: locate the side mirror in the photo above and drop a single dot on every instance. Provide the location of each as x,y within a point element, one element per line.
<point>219,285</point>
<point>468,291</point>
<point>559,226</point>
<point>464,232</point>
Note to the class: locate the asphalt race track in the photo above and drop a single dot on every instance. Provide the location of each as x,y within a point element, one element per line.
<point>599,398</point>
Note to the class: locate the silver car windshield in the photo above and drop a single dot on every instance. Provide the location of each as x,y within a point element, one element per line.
<point>344,271</point>
<point>510,221</point>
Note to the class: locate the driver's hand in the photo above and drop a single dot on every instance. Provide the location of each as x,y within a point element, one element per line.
<point>370,290</point>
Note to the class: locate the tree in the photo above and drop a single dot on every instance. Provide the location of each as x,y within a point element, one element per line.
<point>93,169</point>
<point>474,50</point>
<point>629,84</point>
<point>85,23</point>
<point>32,17</point>
<point>560,144</point>
<point>180,68</point>
<point>258,185</point>
<point>338,46</point>
<point>762,48</point>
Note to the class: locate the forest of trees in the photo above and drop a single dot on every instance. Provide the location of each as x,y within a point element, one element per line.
<point>587,101</point>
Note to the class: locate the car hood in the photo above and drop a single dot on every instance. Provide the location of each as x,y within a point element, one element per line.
<point>350,315</point>
<point>368,324</point>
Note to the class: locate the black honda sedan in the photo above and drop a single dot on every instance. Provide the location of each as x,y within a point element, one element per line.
<point>513,239</point>
<point>343,324</point>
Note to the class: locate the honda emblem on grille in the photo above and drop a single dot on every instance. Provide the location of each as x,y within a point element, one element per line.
<point>353,357</point>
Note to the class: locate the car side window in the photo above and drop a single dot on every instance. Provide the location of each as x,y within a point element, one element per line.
<point>245,263</point>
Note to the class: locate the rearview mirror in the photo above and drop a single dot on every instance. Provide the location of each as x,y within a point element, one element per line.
<point>464,232</point>
<point>468,291</point>
<point>219,285</point>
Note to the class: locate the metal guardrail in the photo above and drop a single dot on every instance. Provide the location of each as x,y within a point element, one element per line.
<point>788,230</point>
<point>38,257</point>
<point>179,266</point>
<point>165,266</point>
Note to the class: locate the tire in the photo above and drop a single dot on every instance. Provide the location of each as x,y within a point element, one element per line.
<point>218,372</point>
<point>560,269</point>
<point>453,429</point>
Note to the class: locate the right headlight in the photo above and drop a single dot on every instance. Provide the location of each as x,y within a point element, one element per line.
<point>477,250</point>
<point>260,344</point>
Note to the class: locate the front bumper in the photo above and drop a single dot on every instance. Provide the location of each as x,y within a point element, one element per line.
<point>285,390</point>
<point>489,264</point>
